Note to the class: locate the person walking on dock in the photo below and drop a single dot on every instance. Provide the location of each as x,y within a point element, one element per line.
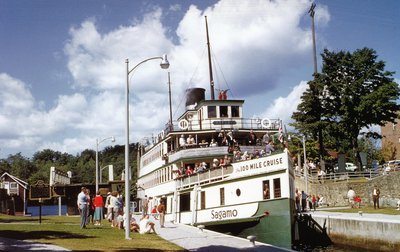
<point>375,196</point>
<point>304,201</point>
<point>350,195</point>
<point>161,211</point>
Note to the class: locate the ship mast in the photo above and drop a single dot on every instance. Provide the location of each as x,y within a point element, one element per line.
<point>209,63</point>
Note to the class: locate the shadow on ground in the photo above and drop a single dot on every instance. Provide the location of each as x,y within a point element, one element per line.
<point>35,235</point>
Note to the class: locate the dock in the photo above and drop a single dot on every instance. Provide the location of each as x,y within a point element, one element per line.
<point>195,239</point>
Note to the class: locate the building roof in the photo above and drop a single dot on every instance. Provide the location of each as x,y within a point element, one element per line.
<point>19,181</point>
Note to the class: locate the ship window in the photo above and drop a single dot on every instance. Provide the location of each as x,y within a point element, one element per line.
<point>184,202</point>
<point>238,192</point>
<point>203,200</point>
<point>266,194</point>
<point>222,196</point>
<point>235,111</point>
<point>277,188</point>
<point>212,111</point>
<point>223,111</point>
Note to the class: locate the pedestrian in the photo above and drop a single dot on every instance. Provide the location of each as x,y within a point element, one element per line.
<point>110,207</point>
<point>145,205</point>
<point>375,196</point>
<point>98,209</point>
<point>303,201</point>
<point>90,207</point>
<point>314,202</point>
<point>161,211</point>
<point>118,208</point>
<point>82,206</point>
<point>350,195</point>
<point>297,197</point>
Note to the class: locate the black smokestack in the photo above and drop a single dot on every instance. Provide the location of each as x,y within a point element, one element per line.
<point>194,95</point>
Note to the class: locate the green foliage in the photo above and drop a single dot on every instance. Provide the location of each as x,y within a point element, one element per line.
<point>82,165</point>
<point>353,92</point>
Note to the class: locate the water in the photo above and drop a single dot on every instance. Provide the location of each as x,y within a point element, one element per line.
<point>47,210</point>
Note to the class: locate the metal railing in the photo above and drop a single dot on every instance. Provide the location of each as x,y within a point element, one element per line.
<point>208,176</point>
<point>225,124</point>
<point>339,176</point>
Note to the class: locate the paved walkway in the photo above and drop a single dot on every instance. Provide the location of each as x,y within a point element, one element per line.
<point>194,239</point>
<point>357,216</point>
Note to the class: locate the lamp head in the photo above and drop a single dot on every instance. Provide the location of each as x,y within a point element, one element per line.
<point>289,138</point>
<point>112,139</point>
<point>164,63</point>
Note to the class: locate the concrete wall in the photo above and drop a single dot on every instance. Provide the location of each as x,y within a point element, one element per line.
<point>336,191</point>
<point>362,233</point>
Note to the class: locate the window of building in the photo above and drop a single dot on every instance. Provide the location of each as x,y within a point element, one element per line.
<point>235,111</point>
<point>223,111</point>
<point>266,192</point>
<point>222,196</point>
<point>202,200</point>
<point>212,111</point>
<point>184,202</point>
<point>277,188</point>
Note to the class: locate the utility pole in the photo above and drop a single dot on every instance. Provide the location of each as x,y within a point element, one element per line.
<point>170,104</point>
<point>312,13</point>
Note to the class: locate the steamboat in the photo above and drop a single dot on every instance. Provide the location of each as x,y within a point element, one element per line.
<point>211,168</point>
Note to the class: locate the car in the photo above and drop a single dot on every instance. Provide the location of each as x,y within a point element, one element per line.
<point>391,165</point>
<point>350,167</point>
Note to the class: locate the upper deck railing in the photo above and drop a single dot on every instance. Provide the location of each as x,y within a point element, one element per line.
<point>224,124</point>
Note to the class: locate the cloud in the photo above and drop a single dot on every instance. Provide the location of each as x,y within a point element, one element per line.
<point>254,43</point>
<point>283,107</point>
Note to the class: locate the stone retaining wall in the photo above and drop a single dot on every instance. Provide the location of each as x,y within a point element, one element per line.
<point>335,192</point>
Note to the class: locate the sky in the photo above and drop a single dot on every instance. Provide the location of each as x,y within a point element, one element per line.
<point>63,63</point>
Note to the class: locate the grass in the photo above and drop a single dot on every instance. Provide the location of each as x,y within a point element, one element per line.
<point>64,231</point>
<point>365,209</point>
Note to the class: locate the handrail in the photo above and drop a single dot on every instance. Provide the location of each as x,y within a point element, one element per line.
<point>339,176</point>
<point>205,177</point>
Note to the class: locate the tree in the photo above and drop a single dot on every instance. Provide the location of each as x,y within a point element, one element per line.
<point>311,113</point>
<point>354,92</point>
<point>364,93</point>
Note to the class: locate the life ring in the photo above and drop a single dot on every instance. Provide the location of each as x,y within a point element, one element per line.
<point>264,123</point>
<point>183,124</point>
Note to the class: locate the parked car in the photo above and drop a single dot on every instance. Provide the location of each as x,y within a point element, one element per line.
<point>392,165</point>
<point>350,167</point>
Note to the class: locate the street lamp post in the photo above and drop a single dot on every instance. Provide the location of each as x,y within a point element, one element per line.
<point>305,166</point>
<point>164,65</point>
<point>97,159</point>
<point>110,167</point>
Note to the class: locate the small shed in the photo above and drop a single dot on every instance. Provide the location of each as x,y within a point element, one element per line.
<point>17,191</point>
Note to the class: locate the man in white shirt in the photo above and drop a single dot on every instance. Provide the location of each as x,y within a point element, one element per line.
<point>83,206</point>
<point>350,195</point>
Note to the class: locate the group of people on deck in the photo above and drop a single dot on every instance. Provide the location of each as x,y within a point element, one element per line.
<point>201,167</point>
